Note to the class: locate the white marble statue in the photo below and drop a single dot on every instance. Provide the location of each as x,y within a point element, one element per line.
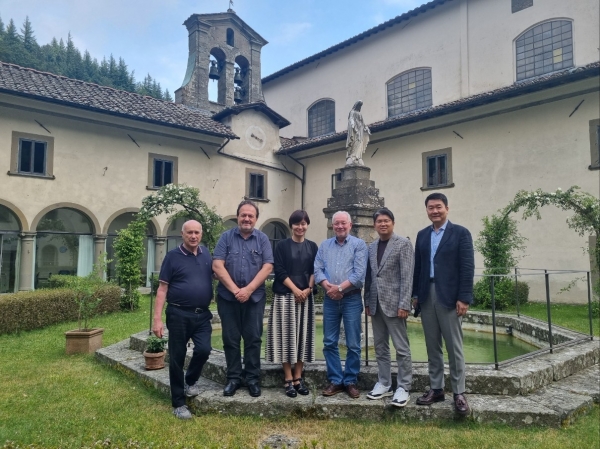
<point>358,136</point>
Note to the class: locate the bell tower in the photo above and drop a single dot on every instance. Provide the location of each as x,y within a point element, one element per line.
<point>225,49</point>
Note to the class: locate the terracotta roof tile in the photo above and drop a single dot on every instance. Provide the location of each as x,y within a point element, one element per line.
<point>52,88</point>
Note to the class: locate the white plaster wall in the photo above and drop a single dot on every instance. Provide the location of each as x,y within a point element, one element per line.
<point>536,147</point>
<point>469,45</point>
<point>82,150</point>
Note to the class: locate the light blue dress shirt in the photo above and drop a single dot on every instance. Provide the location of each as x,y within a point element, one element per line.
<point>436,238</point>
<point>337,262</point>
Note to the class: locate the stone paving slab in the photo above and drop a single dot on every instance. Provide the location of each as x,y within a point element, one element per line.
<point>586,382</point>
<point>554,406</point>
<point>520,377</point>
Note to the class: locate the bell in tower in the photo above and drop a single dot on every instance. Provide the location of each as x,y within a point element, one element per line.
<point>223,48</point>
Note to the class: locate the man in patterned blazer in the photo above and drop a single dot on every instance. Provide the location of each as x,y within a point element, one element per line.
<point>388,288</point>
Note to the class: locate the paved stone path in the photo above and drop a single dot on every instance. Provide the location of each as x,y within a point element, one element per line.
<point>559,387</point>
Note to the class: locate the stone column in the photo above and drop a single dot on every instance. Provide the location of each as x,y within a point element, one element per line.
<point>159,251</point>
<point>99,250</point>
<point>26,269</point>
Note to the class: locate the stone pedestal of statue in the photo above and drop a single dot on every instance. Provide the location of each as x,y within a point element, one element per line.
<point>355,193</point>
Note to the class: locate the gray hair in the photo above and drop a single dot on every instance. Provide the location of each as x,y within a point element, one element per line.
<point>187,221</point>
<point>339,212</point>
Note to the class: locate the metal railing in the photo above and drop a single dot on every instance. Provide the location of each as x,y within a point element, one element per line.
<point>518,272</point>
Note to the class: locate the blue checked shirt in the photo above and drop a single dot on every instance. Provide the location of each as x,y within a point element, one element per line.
<point>337,262</point>
<point>436,238</point>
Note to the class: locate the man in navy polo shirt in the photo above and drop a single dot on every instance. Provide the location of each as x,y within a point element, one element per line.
<point>186,285</point>
<point>242,261</point>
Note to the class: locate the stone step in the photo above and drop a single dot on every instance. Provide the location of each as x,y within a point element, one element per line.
<point>553,406</point>
<point>517,378</point>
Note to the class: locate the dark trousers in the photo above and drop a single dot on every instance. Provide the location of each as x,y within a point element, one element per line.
<point>242,320</point>
<point>182,327</point>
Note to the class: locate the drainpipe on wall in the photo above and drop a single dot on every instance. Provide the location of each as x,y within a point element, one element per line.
<point>248,161</point>
<point>301,181</point>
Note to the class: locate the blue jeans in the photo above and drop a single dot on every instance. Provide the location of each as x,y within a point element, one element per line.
<point>349,310</point>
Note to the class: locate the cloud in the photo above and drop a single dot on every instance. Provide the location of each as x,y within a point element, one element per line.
<point>404,4</point>
<point>291,32</point>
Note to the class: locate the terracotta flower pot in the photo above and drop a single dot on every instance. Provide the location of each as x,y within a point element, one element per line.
<point>154,360</point>
<point>84,341</point>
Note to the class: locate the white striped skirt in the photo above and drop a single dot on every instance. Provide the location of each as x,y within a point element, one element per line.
<point>291,330</point>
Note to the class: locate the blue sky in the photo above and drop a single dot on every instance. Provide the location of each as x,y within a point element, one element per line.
<point>150,36</point>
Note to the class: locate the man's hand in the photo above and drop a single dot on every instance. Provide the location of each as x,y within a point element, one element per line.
<point>157,327</point>
<point>367,311</point>
<point>461,308</point>
<point>243,294</point>
<point>403,314</point>
<point>334,293</point>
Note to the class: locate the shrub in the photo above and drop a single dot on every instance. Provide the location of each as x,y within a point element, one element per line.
<point>504,293</point>
<point>62,281</point>
<point>25,311</point>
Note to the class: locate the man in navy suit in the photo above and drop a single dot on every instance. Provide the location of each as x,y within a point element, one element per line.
<point>443,288</point>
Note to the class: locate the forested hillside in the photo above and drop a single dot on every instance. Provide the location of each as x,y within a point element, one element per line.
<point>21,48</point>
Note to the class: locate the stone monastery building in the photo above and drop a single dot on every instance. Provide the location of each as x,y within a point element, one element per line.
<point>477,99</point>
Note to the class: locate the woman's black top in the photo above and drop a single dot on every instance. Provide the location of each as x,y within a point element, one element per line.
<point>295,261</point>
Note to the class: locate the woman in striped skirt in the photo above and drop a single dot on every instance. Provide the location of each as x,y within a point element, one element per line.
<point>291,328</point>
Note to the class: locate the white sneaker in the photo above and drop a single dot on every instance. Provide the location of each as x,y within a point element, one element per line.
<point>380,391</point>
<point>401,397</point>
<point>182,412</point>
<point>191,390</point>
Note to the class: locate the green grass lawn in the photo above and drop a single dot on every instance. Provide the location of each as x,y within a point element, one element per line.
<point>49,399</point>
<point>571,316</point>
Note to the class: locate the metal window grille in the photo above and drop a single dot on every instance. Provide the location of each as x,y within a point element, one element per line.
<point>409,91</point>
<point>321,118</point>
<point>545,48</point>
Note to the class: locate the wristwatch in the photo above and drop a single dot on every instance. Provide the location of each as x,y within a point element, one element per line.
<point>340,289</point>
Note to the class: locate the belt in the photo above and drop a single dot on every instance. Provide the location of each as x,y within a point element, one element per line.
<point>351,292</point>
<point>189,309</point>
<point>431,280</point>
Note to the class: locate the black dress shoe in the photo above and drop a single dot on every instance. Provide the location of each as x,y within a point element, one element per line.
<point>231,388</point>
<point>254,390</point>
<point>461,405</point>
<point>430,397</point>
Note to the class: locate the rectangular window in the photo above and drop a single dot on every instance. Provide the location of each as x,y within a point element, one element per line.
<point>162,170</point>
<point>335,178</point>
<point>519,5</point>
<point>437,169</point>
<point>257,186</point>
<point>31,155</point>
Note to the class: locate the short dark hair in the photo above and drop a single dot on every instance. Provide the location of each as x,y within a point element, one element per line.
<point>249,203</point>
<point>437,196</point>
<point>383,211</point>
<point>298,216</point>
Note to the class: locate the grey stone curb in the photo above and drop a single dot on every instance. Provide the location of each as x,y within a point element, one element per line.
<point>554,405</point>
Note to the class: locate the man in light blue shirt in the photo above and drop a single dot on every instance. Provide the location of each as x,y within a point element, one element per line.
<point>340,268</point>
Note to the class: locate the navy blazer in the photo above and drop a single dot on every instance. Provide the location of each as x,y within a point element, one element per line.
<point>454,266</point>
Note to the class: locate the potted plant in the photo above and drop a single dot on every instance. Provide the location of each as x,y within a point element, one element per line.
<point>85,339</point>
<point>155,352</point>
